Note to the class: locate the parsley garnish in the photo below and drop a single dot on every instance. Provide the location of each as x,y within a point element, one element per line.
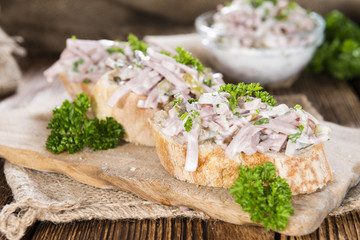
<point>295,136</point>
<point>72,130</point>
<point>191,100</point>
<point>86,80</point>
<point>263,195</point>
<point>339,55</point>
<point>76,65</point>
<point>297,107</point>
<point>177,101</point>
<point>186,58</point>
<point>261,121</point>
<point>188,124</point>
<point>286,11</point>
<point>136,44</point>
<point>165,53</point>
<point>73,37</point>
<point>208,82</point>
<point>258,3</point>
<point>115,49</point>
<point>245,90</point>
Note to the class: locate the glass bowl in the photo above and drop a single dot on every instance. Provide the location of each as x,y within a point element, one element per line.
<point>276,67</point>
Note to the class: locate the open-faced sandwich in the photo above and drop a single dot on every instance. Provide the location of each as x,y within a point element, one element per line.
<point>83,62</point>
<point>133,93</point>
<point>204,140</point>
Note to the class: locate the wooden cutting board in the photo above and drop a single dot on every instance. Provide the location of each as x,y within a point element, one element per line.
<point>137,169</point>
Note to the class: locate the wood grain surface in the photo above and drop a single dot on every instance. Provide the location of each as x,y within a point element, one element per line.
<point>336,101</point>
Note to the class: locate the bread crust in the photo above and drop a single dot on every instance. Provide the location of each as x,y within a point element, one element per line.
<point>306,172</point>
<point>133,119</point>
<point>75,88</point>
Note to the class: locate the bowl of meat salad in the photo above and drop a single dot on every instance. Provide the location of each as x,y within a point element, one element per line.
<point>266,41</point>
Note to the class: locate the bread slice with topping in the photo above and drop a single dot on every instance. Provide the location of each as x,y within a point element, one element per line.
<point>227,138</point>
<point>133,119</point>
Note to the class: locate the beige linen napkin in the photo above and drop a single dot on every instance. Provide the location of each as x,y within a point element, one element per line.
<point>9,70</point>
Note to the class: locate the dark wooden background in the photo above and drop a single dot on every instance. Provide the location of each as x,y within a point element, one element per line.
<point>336,101</point>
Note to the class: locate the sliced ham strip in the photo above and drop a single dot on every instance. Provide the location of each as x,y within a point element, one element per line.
<point>192,151</point>
<point>171,77</point>
<point>280,126</point>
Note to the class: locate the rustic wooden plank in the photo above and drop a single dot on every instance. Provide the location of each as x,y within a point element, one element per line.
<point>197,229</point>
<point>188,228</point>
<point>345,226</point>
<point>144,228</point>
<point>223,230</point>
<point>176,228</point>
<point>356,219</point>
<point>152,229</point>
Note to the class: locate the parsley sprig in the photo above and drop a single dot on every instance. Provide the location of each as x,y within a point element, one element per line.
<point>72,130</point>
<point>136,44</point>
<point>339,55</point>
<point>264,195</point>
<point>186,58</point>
<point>245,90</point>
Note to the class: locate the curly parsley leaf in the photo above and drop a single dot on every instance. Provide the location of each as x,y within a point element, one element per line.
<point>264,195</point>
<point>245,90</point>
<point>186,58</point>
<point>136,44</point>
<point>72,130</point>
<point>339,55</point>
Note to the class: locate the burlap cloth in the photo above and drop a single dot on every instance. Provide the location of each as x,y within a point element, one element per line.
<point>10,73</point>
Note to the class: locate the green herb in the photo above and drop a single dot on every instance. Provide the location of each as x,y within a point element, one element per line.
<point>191,100</point>
<point>136,44</point>
<point>261,121</point>
<point>258,3</point>
<point>208,82</point>
<point>186,58</point>
<point>218,105</point>
<point>177,101</point>
<point>86,80</point>
<point>297,107</point>
<point>339,55</point>
<point>77,64</point>
<point>295,136</point>
<point>72,130</point>
<point>245,90</point>
<point>188,123</point>
<point>115,49</point>
<point>73,37</point>
<point>263,195</point>
<point>165,53</point>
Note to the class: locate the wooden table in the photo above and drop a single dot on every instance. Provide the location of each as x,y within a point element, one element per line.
<point>336,101</point>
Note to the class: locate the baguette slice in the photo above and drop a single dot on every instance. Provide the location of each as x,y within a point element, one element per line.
<point>75,88</point>
<point>306,172</point>
<point>126,112</point>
